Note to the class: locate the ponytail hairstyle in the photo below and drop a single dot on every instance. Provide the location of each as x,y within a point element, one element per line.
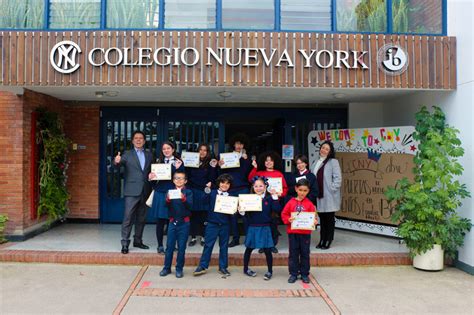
<point>259,178</point>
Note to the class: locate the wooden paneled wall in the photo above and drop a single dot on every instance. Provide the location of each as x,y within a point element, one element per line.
<point>25,60</point>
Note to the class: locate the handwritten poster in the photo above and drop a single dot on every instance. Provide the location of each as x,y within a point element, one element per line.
<point>371,159</point>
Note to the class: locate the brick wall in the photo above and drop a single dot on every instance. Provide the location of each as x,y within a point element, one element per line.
<point>15,119</point>
<point>82,127</point>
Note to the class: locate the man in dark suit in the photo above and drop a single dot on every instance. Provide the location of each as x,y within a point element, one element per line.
<point>137,166</point>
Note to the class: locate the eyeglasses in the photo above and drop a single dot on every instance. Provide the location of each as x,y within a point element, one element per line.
<point>179,178</point>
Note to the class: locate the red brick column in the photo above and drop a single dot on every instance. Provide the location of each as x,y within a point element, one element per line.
<point>82,127</point>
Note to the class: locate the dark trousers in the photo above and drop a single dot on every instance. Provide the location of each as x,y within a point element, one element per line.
<point>135,213</point>
<point>177,233</point>
<point>160,230</point>
<point>327,222</point>
<point>298,259</point>
<point>213,231</point>
<point>197,223</point>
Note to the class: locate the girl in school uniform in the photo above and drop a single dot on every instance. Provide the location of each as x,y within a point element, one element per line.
<point>159,207</point>
<point>269,164</point>
<point>200,181</point>
<point>302,172</point>
<point>259,234</point>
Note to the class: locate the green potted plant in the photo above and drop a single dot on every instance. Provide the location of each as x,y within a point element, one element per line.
<point>426,208</point>
<point>3,221</point>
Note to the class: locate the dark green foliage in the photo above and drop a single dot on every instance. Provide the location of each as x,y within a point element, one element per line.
<point>53,166</point>
<point>3,221</point>
<point>426,208</point>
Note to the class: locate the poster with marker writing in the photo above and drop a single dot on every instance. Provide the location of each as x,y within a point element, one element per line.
<point>370,159</point>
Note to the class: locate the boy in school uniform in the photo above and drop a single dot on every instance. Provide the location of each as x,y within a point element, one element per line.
<point>179,222</point>
<point>218,225</point>
<point>299,240</point>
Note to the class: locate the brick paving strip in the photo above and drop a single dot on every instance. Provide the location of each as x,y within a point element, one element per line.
<point>192,259</point>
<point>325,296</point>
<point>227,293</point>
<point>128,294</point>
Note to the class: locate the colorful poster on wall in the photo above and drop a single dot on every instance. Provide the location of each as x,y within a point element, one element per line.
<point>371,159</point>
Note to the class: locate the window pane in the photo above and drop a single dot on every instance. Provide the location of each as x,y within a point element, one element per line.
<point>190,14</point>
<point>133,14</point>
<point>417,16</point>
<point>21,14</point>
<point>361,15</point>
<point>306,15</point>
<point>74,14</point>
<point>248,14</point>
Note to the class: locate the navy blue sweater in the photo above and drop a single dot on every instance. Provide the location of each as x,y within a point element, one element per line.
<point>264,217</point>
<point>217,217</point>
<point>177,208</point>
<point>199,177</point>
<point>239,174</point>
<point>165,185</point>
<point>313,186</point>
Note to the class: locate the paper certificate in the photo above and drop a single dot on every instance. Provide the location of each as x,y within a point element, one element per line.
<point>231,160</point>
<point>300,178</point>
<point>190,159</point>
<point>162,171</point>
<point>174,194</point>
<point>250,202</point>
<point>303,220</point>
<point>226,204</point>
<point>275,183</point>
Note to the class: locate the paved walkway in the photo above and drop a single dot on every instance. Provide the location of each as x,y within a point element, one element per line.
<point>84,289</point>
<point>106,238</point>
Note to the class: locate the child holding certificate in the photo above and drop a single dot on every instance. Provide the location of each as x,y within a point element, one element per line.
<point>180,203</point>
<point>159,207</point>
<point>200,181</point>
<point>218,225</point>
<point>269,164</point>
<point>299,240</point>
<point>259,233</point>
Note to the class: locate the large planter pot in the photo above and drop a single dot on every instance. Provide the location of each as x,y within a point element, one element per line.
<point>432,260</point>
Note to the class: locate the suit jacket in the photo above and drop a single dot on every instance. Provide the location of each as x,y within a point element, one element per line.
<point>332,181</point>
<point>136,179</point>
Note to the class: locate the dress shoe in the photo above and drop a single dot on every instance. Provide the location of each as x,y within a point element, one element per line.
<point>124,249</point>
<point>292,279</point>
<point>274,250</point>
<point>305,279</point>
<point>326,245</point>
<point>164,272</point>
<point>161,250</point>
<point>260,250</point>
<point>141,245</point>
<point>179,274</point>
<point>192,242</point>
<point>234,242</point>
<point>203,242</point>
<point>320,244</point>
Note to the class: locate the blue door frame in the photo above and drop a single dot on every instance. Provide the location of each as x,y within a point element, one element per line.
<point>187,127</point>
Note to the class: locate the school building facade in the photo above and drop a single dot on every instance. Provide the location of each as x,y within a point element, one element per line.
<point>200,71</point>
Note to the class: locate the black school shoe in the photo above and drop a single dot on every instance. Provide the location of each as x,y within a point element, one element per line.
<point>234,243</point>
<point>224,272</point>
<point>179,274</point>
<point>292,279</point>
<point>250,273</point>
<point>161,250</point>
<point>305,279</point>
<point>274,250</point>
<point>192,242</point>
<point>164,272</point>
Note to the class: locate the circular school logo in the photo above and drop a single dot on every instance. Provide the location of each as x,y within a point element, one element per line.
<point>63,56</point>
<point>392,59</point>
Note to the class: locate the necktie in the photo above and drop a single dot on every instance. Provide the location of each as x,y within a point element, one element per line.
<point>141,158</point>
